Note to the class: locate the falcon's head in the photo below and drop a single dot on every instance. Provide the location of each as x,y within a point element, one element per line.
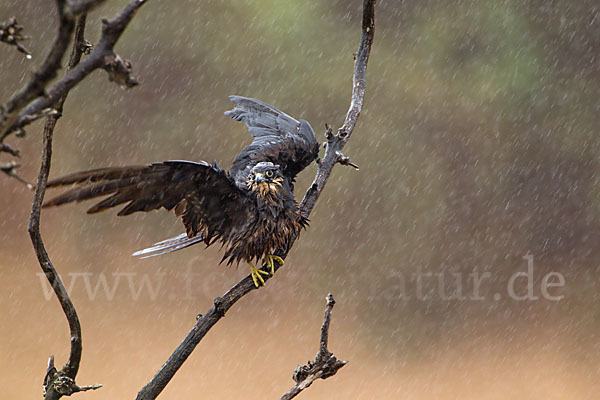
<point>265,179</point>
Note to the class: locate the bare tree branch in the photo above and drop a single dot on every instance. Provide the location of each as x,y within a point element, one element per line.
<point>335,143</point>
<point>82,6</point>
<point>58,383</point>
<point>333,155</point>
<point>47,71</point>
<point>70,369</point>
<point>323,343</point>
<point>325,363</point>
<point>7,149</point>
<point>10,33</point>
<point>9,169</point>
<point>18,113</point>
<point>52,390</point>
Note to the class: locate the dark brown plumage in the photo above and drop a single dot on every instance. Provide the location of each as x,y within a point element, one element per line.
<point>251,210</point>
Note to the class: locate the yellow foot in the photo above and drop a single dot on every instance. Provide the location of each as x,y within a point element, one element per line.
<point>269,260</point>
<point>255,273</point>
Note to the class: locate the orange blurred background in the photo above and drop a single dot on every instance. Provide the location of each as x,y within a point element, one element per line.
<point>478,146</point>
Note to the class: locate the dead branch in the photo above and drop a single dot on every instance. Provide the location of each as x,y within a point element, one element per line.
<point>29,104</point>
<point>58,383</point>
<point>9,169</point>
<point>82,6</point>
<point>47,71</point>
<point>10,33</point>
<point>333,155</point>
<point>325,364</point>
<point>336,142</point>
<point>7,149</point>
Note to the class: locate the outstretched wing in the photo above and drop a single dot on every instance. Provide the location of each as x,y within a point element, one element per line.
<point>278,138</point>
<point>204,195</point>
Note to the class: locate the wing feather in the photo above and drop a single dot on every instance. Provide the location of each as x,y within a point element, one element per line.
<point>278,138</point>
<point>204,195</point>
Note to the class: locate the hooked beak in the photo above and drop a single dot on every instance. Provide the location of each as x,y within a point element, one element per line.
<point>259,177</point>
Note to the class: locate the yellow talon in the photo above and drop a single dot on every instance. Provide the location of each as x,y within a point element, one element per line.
<point>255,273</point>
<point>269,260</point>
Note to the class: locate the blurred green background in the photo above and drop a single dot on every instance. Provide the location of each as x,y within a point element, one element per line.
<point>478,146</point>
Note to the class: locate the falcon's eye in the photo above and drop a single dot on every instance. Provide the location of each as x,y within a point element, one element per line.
<point>269,173</point>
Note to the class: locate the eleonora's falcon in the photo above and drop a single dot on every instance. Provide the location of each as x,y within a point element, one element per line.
<point>251,209</point>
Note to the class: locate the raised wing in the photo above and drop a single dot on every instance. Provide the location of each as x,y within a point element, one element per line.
<point>278,138</point>
<point>204,195</point>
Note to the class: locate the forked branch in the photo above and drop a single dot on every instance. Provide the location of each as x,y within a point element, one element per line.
<point>325,364</point>
<point>11,33</point>
<point>58,383</point>
<point>34,99</point>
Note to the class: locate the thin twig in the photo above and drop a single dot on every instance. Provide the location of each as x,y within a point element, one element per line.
<point>333,155</point>
<point>325,364</point>
<point>58,383</point>
<point>10,33</point>
<point>9,169</point>
<point>7,149</point>
<point>335,143</point>
<point>326,321</point>
<point>47,71</point>
<point>103,56</point>
<point>67,14</point>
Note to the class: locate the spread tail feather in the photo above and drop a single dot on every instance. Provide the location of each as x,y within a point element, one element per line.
<point>169,245</point>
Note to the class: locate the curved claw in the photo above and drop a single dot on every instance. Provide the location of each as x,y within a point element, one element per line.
<point>255,274</point>
<point>270,261</point>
